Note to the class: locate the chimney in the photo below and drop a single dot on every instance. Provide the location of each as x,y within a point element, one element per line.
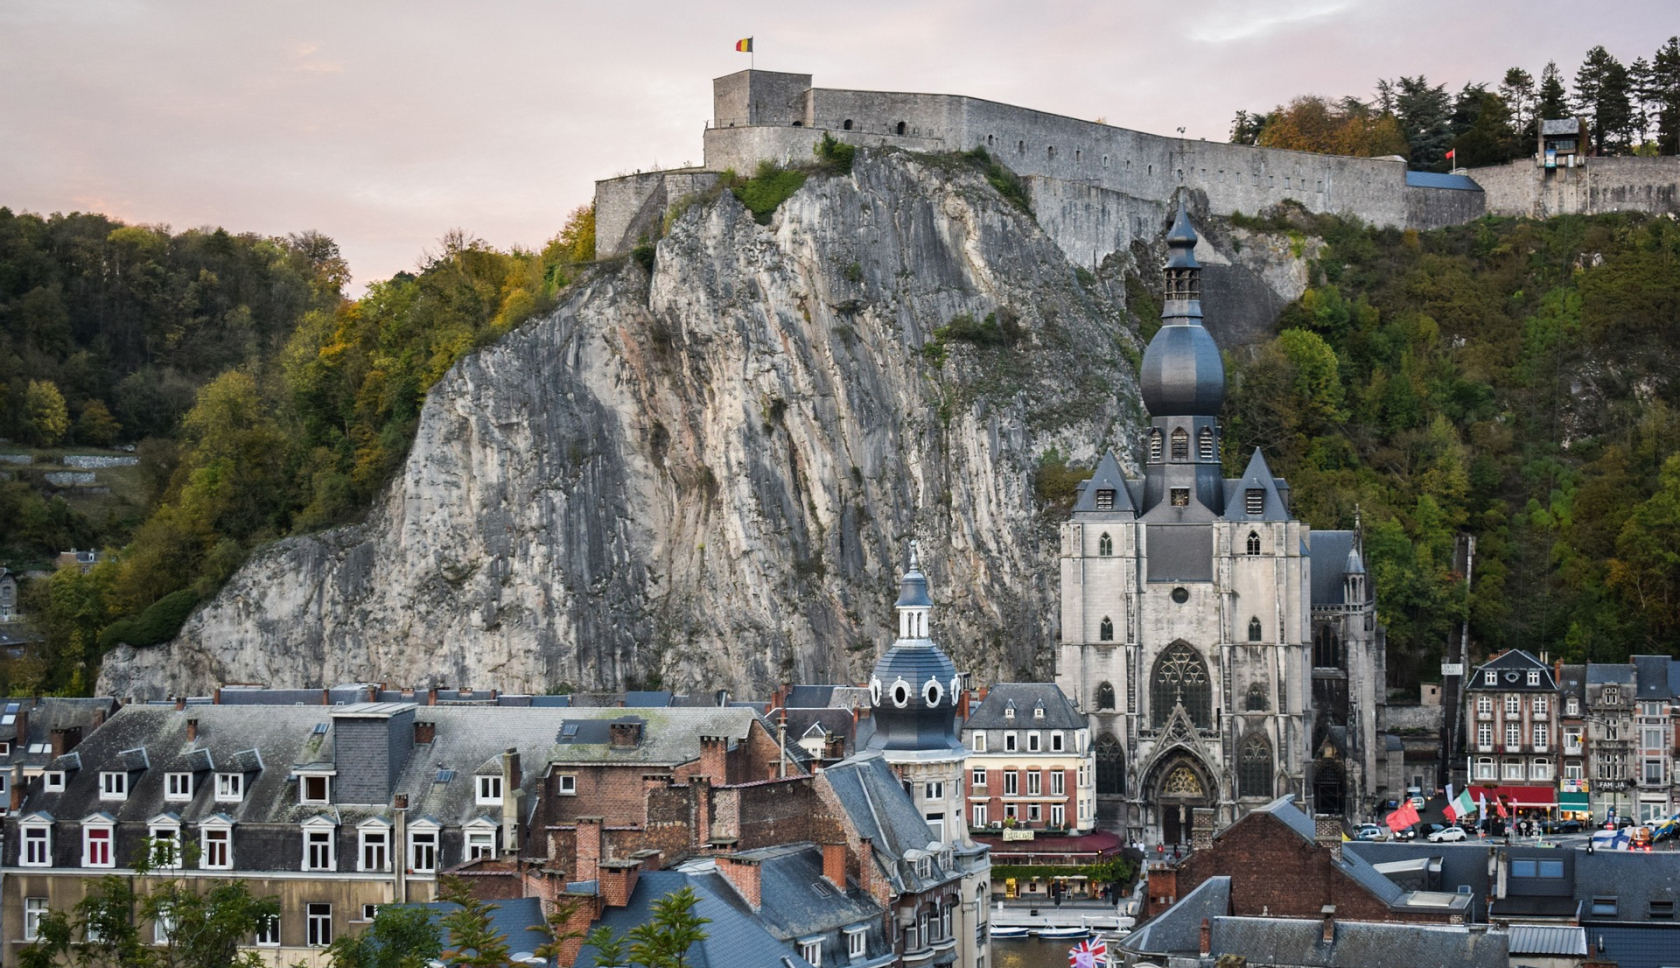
<point>65,739</point>
<point>431,696</point>
<point>700,787</point>
<point>962,704</point>
<point>626,734</point>
<point>1201,828</point>
<point>424,733</point>
<point>1327,832</point>
<point>98,717</point>
<point>1162,887</point>
<point>1329,913</point>
<point>192,730</point>
<point>326,697</point>
<point>216,697</point>
<point>743,873</point>
<point>180,704</point>
<point>866,865</point>
<point>618,881</point>
<point>834,865</point>
<point>511,779</point>
<point>589,848</point>
<point>834,746</point>
<point>21,744</point>
<point>1206,946</point>
<point>16,780</point>
<point>714,759</point>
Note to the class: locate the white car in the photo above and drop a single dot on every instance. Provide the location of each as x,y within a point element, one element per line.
<point>1448,835</point>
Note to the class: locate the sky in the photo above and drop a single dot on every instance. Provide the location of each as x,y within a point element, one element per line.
<point>387,124</point>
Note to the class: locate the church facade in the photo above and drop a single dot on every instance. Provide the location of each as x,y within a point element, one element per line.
<point>1224,653</point>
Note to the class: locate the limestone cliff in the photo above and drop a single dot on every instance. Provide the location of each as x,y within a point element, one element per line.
<point>706,476</point>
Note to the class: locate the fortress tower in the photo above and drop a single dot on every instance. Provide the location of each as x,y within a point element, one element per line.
<point>1190,604</point>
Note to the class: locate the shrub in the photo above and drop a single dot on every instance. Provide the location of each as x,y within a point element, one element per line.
<point>156,625</point>
<point>1007,183</point>
<point>766,190</point>
<point>644,253</point>
<point>990,332</point>
<point>836,156</point>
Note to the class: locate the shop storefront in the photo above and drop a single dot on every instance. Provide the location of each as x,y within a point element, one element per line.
<point>1520,802</point>
<point>1575,800</point>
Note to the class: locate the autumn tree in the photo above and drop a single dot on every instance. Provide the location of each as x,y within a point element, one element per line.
<point>48,417</point>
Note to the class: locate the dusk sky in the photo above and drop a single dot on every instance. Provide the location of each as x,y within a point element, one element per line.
<point>385,124</point>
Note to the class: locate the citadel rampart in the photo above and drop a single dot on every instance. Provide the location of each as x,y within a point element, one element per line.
<point>1096,187</point>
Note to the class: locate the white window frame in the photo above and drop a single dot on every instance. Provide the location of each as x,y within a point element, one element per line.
<point>159,833</point>
<point>1484,704</point>
<point>1513,704</point>
<point>1058,782</point>
<point>1486,769</point>
<point>1058,815</point>
<point>978,779</point>
<point>37,844</point>
<point>1542,736</point>
<point>857,942</point>
<point>34,909</point>
<point>1009,741</point>
<point>1484,735</point>
<point>325,781</point>
<point>1035,783</point>
<point>982,816</point>
<point>1034,813</point>
<point>1534,677</point>
<point>113,785</point>
<point>565,785</point>
<point>268,932</point>
<point>230,787</point>
<point>1541,706</point>
<point>487,789</point>
<point>52,781</point>
<point>178,787</point>
<point>1513,770</point>
<point>162,926</point>
<point>1541,771</point>
<point>977,741</point>
<point>423,839</point>
<point>1034,742</point>
<point>1011,783</point>
<point>1490,678</point>
<point>1056,744</point>
<point>320,836</point>
<point>375,839</point>
<point>318,926</point>
<point>478,842</point>
<point>110,841</point>
<point>812,951</point>
<point>207,852</point>
<point>933,790</point>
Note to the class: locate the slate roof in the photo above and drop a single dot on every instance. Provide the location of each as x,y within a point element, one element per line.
<point>40,717</point>
<point>1256,475</point>
<point>1285,810</point>
<point>1459,864</point>
<point>1560,125</point>
<point>1547,939</point>
<point>733,939</point>
<point>1573,680</point>
<point>1609,673</point>
<point>872,796</point>
<point>1026,696</point>
<point>796,901</point>
<point>1178,929</point>
<point>1620,874</point>
<point>1638,947</point>
<point>1357,944</point>
<point>1431,179</point>
<point>519,920</point>
<point>1329,551</point>
<point>1513,667</point>
<point>1653,673</point>
<point>1108,475</point>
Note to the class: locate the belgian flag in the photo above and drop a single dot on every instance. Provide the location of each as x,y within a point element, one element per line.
<point>744,45</point>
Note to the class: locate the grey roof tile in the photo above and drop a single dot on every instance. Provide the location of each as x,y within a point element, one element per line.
<point>733,939</point>
<point>1059,712</point>
<point>1357,944</point>
<point>1178,929</point>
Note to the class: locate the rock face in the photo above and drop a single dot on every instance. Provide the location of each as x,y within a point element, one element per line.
<point>707,476</point>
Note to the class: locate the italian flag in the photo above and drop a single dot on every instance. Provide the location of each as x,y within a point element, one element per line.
<point>1460,806</point>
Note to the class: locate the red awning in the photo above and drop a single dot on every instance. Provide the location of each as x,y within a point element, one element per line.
<point>1525,797</point>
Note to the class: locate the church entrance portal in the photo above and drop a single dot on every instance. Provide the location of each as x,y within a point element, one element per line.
<point>1182,789</point>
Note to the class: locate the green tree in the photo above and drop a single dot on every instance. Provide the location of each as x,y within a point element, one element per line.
<point>1516,89</point>
<point>664,939</point>
<point>1665,93</point>
<point>1553,100</point>
<point>48,418</point>
<point>1602,96</point>
<point>1425,115</point>
<point>610,949</point>
<point>400,936</point>
<point>1646,569</point>
<point>96,426</point>
<point>473,940</point>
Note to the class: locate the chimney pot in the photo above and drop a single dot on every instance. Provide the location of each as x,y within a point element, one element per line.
<point>192,730</point>
<point>399,802</point>
<point>834,865</point>
<point>180,703</point>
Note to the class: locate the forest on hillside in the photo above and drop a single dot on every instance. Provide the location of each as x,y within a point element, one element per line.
<point>1512,379</point>
<point>1631,108</point>
<point>261,401</point>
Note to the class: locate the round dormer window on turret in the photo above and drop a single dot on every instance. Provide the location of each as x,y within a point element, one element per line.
<point>900,693</point>
<point>932,691</point>
<point>917,712</point>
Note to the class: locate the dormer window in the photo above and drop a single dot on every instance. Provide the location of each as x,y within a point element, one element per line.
<point>52,781</point>
<point>314,788</point>
<point>1038,712</point>
<point>1573,708</point>
<point>97,845</point>
<point>1105,499</point>
<point>1612,695</point>
<point>1180,444</point>
<point>1533,677</point>
<point>37,845</point>
<point>489,790</point>
<point>178,787</point>
<point>1254,542</point>
<point>1490,678</point>
<point>1254,502</point>
<point>113,786</point>
<point>319,851</point>
<point>1009,712</point>
<point>230,787</point>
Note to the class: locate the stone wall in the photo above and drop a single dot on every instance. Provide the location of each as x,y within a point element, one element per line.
<point>1602,185</point>
<point>632,206</point>
<point>1437,208</point>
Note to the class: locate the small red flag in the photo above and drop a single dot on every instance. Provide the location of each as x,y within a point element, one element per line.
<point>1453,153</point>
<point>744,45</point>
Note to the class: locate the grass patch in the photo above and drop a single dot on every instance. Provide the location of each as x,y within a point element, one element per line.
<point>766,190</point>
<point>1007,183</point>
<point>1056,482</point>
<point>991,331</point>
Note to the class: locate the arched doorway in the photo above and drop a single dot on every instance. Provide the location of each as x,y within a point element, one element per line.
<point>1181,785</point>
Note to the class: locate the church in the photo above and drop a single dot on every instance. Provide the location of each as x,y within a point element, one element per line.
<point>1224,653</point>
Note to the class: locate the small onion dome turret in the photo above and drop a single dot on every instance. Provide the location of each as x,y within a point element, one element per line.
<point>915,687</point>
<point>1182,374</point>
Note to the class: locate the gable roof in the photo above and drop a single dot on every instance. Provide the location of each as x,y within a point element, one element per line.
<point>734,938</point>
<point>1178,929</point>
<point>1513,667</point>
<point>1357,944</point>
<point>796,899</point>
<point>880,809</point>
<point>1329,551</point>
<point>1058,709</point>
<point>1257,476</point>
<point>1107,476</point>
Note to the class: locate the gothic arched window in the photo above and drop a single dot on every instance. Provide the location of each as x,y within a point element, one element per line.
<point>1255,632</point>
<point>1154,445</point>
<point>1105,631</point>
<point>1111,766</point>
<point>1105,545</point>
<point>1105,696</point>
<point>1254,767</point>
<point>1256,701</point>
<point>1254,542</point>
<point>1327,648</point>
<point>1181,677</point>
<point>1180,444</point>
<point>1205,444</point>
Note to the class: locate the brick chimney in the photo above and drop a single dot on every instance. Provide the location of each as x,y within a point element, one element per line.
<point>743,873</point>
<point>424,733</point>
<point>98,717</point>
<point>65,739</point>
<point>834,865</point>
<point>192,730</point>
<point>216,697</point>
<point>1327,832</point>
<point>180,704</point>
<point>626,735</point>
<point>700,787</point>
<point>866,865</point>
<point>834,746</point>
<point>511,778</point>
<point>431,696</point>
<point>326,697</point>
<point>588,848</point>
<point>16,784</point>
<point>1206,945</point>
<point>714,759</point>
<point>1162,887</point>
<point>21,744</point>
<point>1201,828</point>
<point>1329,915</point>
<point>618,881</point>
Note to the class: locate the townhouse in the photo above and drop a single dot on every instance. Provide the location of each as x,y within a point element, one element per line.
<point>1512,732</point>
<point>1030,761</point>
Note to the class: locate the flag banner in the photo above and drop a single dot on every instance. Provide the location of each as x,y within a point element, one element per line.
<point>744,45</point>
<point>1402,818</point>
<point>1452,154</point>
<point>1460,806</point>
<point>1089,954</point>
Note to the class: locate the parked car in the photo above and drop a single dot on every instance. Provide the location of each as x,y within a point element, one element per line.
<point>1561,826</point>
<point>1371,831</point>
<point>1448,835</point>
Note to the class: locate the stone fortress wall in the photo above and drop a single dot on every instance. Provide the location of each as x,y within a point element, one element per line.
<point>1097,187</point>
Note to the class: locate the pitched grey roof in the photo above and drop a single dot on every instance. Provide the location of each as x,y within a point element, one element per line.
<point>1026,696</point>
<point>1178,929</point>
<point>1653,673</point>
<point>1547,939</point>
<point>1329,550</point>
<point>733,939</point>
<point>41,717</point>
<point>1647,946</point>
<point>1560,125</point>
<point>1513,667</point>
<point>1370,878</point>
<point>1619,874</point>
<point>519,920</point>
<point>1573,680</point>
<point>1285,810</point>
<point>796,900</point>
<point>1257,475</point>
<point>1458,864</point>
<point>1357,944</point>
<point>872,796</point>
<point>1107,476</point>
<point>1606,673</point>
